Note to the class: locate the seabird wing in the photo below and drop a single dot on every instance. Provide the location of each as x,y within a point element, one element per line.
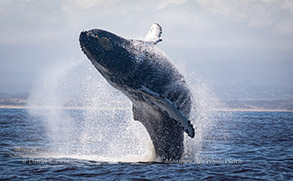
<point>154,34</point>
<point>166,106</point>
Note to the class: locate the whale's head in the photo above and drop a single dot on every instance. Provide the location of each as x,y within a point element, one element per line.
<point>107,51</point>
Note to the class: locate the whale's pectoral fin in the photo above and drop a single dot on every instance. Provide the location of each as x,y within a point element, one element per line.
<point>168,108</point>
<point>154,34</point>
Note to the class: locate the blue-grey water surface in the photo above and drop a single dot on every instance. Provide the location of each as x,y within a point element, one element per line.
<point>248,145</point>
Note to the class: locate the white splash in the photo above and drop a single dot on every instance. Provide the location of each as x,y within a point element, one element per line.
<point>87,118</point>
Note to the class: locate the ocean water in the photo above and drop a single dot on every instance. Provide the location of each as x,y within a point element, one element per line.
<point>239,145</point>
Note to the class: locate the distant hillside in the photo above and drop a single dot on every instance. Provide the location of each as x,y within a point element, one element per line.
<point>17,99</point>
<point>22,95</point>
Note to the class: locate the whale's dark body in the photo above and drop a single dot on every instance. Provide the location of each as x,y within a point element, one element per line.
<point>149,80</point>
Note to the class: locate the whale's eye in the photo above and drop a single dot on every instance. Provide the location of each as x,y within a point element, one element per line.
<point>106,43</point>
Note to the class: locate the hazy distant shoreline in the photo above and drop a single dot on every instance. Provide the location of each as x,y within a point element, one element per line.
<point>21,101</point>
<point>82,108</point>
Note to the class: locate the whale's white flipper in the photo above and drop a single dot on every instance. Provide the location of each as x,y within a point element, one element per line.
<point>154,34</point>
<point>166,106</point>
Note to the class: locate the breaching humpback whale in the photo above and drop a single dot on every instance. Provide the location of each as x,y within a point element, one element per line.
<point>160,97</point>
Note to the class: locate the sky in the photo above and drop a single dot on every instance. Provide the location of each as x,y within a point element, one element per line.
<point>247,43</point>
